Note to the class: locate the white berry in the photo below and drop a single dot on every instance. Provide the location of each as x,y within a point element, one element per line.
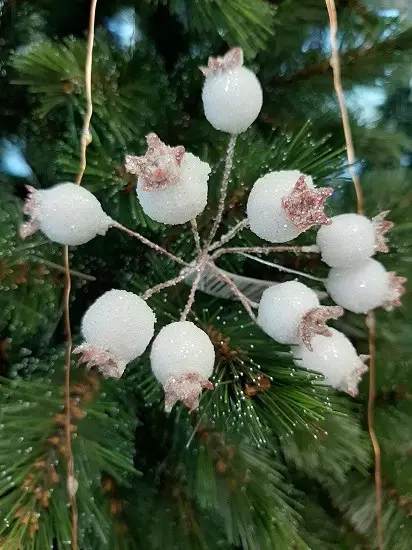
<point>66,213</point>
<point>333,356</point>
<point>265,213</point>
<point>360,288</point>
<point>182,201</point>
<point>348,240</point>
<point>232,99</point>
<point>180,348</point>
<point>120,323</point>
<point>281,309</point>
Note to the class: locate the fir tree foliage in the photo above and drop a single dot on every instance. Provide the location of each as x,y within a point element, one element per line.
<point>273,459</point>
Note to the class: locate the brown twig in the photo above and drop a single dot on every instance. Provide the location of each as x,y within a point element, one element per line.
<point>84,142</point>
<point>370,318</point>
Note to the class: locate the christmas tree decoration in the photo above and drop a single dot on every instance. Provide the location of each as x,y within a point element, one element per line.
<point>117,329</point>
<point>182,359</point>
<point>281,205</point>
<point>172,184</point>
<point>232,95</point>
<point>335,358</point>
<point>351,238</point>
<point>66,213</point>
<point>290,313</point>
<point>365,286</point>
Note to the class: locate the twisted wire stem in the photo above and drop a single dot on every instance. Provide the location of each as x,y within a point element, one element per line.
<point>370,318</point>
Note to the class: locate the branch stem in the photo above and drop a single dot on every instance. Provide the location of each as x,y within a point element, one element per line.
<point>229,235</point>
<point>167,284</point>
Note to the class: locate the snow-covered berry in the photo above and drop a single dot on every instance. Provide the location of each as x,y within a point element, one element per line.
<point>232,95</point>
<point>365,286</point>
<point>117,329</point>
<point>290,313</point>
<point>172,184</point>
<point>283,204</point>
<point>335,358</point>
<point>182,360</point>
<point>351,238</point>
<point>66,213</point>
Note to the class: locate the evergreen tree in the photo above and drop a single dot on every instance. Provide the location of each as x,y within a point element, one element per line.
<point>273,458</point>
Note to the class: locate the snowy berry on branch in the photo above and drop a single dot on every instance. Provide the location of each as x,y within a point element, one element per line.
<point>171,184</point>
<point>66,213</point>
<point>335,358</point>
<point>283,204</point>
<point>182,360</point>
<point>352,238</point>
<point>232,95</point>
<point>117,329</point>
<point>365,286</point>
<point>291,313</point>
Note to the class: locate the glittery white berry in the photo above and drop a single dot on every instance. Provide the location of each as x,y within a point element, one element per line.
<point>283,204</point>
<point>66,213</point>
<point>352,238</point>
<point>365,286</point>
<point>281,309</point>
<point>172,184</point>
<point>117,328</point>
<point>291,314</point>
<point>232,95</point>
<point>182,360</point>
<point>335,357</point>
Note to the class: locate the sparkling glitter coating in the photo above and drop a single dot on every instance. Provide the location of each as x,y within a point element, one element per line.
<point>305,206</point>
<point>382,226</point>
<point>232,59</point>
<point>159,167</point>
<point>351,381</point>
<point>107,363</point>
<point>396,288</point>
<point>31,209</point>
<point>314,322</point>
<point>185,388</point>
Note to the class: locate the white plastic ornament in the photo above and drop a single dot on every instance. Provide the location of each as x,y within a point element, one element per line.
<point>182,360</point>
<point>352,238</point>
<point>335,357</point>
<point>283,204</point>
<point>232,95</point>
<point>365,286</point>
<point>172,184</point>
<point>66,213</point>
<point>117,329</point>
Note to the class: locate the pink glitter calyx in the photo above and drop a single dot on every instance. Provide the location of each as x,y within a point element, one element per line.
<point>105,362</point>
<point>314,322</point>
<point>351,382</point>
<point>186,388</point>
<point>396,289</point>
<point>382,226</point>
<point>231,60</point>
<point>159,167</point>
<point>304,206</point>
<point>30,209</point>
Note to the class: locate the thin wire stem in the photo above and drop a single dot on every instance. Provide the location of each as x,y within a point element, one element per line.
<point>236,291</point>
<point>200,269</point>
<point>283,268</point>
<point>58,267</point>
<point>86,137</point>
<point>149,243</point>
<point>371,325</point>
<point>337,82</point>
<point>223,188</point>
<point>166,284</point>
<point>71,480</point>
<point>229,235</point>
<point>196,236</point>
<point>311,249</point>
